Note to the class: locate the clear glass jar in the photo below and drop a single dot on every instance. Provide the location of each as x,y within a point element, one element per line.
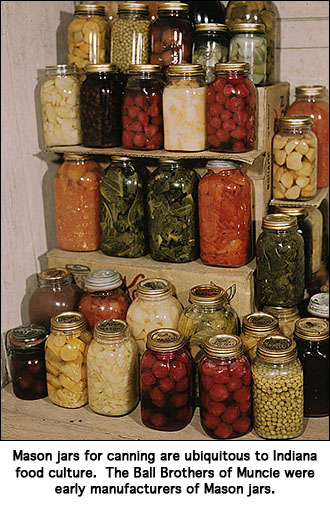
<point>166,382</point>
<point>88,36</point>
<point>154,307</point>
<point>278,398</point>
<point>25,346</point>
<point>294,159</point>
<point>318,305</point>
<point>280,278</point>
<point>60,103</point>
<point>210,46</point>
<point>173,212</point>
<point>315,217</point>
<point>77,204</point>
<point>231,109</point>
<point>66,350</point>
<point>123,191</point>
<point>287,317</point>
<point>254,327</point>
<point>55,294</point>
<point>112,369</point>
<point>311,101</point>
<point>79,273</point>
<point>142,114</point>
<point>225,215</point>
<point>225,387</point>
<point>106,297</point>
<point>248,44</point>
<point>184,109</point>
<point>312,338</point>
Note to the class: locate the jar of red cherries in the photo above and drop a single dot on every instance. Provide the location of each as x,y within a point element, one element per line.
<point>231,109</point>
<point>225,387</point>
<point>166,381</point>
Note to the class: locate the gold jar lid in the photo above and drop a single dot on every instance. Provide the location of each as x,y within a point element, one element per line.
<point>281,312</point>
<point>54,275</point>
<point>172,6</point>
<point>105,67</point>
<point>98,10</point>
<point>153,288</point>
<point>133,6</point>
<point>248,27</point>
<point>185,68</point>
<point>223,345</point>
<point>165,340</point>
<point>310,90</point>
<point>138,68</point>
<point>296,212</point>
<point>68,321</point>
<point>276,348</point>
<point>76,156</point>
<point>319,305</point>
<point>170,161</point>
<point>110,329</point>
<point>236,67</point>
<point>119,158</point>
<point>212,27</point>
<point>223,164</point>
<point>207,295</point>
<point>296,120</point>
<point>278,222</point>
<point>27,335</point>
<point>312,328</point>
<point>260,322</point>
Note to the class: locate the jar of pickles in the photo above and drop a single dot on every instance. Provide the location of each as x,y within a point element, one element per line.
<point>287,317</point>
<point>278,398</point>
<point>225,215</point>
<point>256,326</point>
<point>210,46</point>
<point>77,204</point>
<point>123,189</point>
<point>26,353</point>
<point>225,387</point>
<point>154,307</point>
<point>173,212</point>
<point>231,109</point>
<point>142,115</point>
<point>105,297</point>
<point>112,369</point>
<point>65,350</point>
<point>166,382</point>
<point>184,109</point>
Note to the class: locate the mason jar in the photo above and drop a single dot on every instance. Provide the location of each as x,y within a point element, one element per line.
<point>278,398</point>
<point>225,387</point>
<point>112,369</point>
<point>287,317</point>
<point>210,46</point>
<point>79,273</point>
<point>318,305</point>
<point>255,326</point>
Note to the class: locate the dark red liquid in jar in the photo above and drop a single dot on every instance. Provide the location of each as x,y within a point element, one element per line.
<point>28,372</point>
<point>108,305</point>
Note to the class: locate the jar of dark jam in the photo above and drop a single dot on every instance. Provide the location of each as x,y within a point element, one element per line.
<point>166,381</point>
<point>55,294</point>
<point>26,353</point>
<point>312,338</point>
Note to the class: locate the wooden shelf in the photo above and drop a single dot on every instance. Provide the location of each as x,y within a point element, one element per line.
<point>321,194</point>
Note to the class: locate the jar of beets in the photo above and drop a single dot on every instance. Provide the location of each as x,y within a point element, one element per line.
<point>225,387</point>
<point>142,115</point>
<point>231,109</point>
<point>166,381</point>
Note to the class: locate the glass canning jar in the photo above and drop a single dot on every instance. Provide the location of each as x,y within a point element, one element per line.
<point>210,46</point>
<point>184,108</point>
<point>55,294</point>
<point>225,214</point>
<point>166,381</point>
<point>79,273</point>
<point>318,305</point>
<point>124,209</point>
<point>225,387</point>
<point>294,159</point>
<point>154,307</point>
<point>60,104</point>
<point>105,297</point>
<point>77,203</point>
<point>254,327</point>
<point>311,100</point>
<point>25,346</point>
<point>142,114</point>
<point>287,317</point>
<point>312,338</point>
<point>278,398</point>
<point>280,278</point>
<point>112,369</point>
<point>173,212</point>
<point>66,350</point>
<point>231,109</point>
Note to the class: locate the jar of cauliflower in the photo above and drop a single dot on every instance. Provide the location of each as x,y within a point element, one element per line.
<point>154,307</point>
<point>112,369</point>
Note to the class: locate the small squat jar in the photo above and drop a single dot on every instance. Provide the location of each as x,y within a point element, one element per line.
<point>278,399</point>
<point>26,353</point>
<point>256,326</point>
<point>287,317</point>
<point>112,369</point>
<point>211,41</point>
<point>225,388</point>
<point>166,382</point>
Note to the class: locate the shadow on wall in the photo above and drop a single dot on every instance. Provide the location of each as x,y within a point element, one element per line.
<point>62,37</point>
<point>31,285</point>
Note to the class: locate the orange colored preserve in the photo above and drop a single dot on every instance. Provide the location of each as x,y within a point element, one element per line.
<point>311,101</point>
<point>224,195</point>
<point>77,204</point>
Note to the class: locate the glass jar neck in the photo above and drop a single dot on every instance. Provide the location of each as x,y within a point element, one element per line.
<point>145,75</point>
<point>251,35</point>
<point>69,333</point>
<point>231,74</point>
<point>110,340</point>
<point>77,161</point>
<point>311,98</point>
<point>225,358</point>
<point>133,15</point>
<point>100,75</point>
<point>174,14</point>
<point>282,232</point>
<point>186,76</point>
<point>152,298</point>
<point>54,284</point>
<point>295,129</point>
<point>104,292</point>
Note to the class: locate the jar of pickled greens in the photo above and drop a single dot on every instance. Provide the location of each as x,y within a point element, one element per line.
<point>77,203</point>
<point>254,327</point>
<point>210,46</point>
<point>173,212</point>
<point>154,307</point>
<point>225,387</point>
<point>112,369</point>
<point>280,278</point>
<point>65,350</point>
<point>106,297</point>
<point>166,381</point>
<point>287,317</point>
<point>123,209</point>
<point>79,273</point>
<point>278,398</point>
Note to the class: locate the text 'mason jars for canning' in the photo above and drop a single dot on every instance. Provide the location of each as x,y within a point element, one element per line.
<point>211,41</point>
<point>256,326</point>
<point>166,381</point>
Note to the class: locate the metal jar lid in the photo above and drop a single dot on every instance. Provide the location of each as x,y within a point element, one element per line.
<point>76,156</point>
<point>223,345</point>
<point>137,68</point>
<point>55,275</point>
<point>295,212</point>
<point>154,288</point>
<point>319,305</point>
<point>278,222</point>
<point>260,323</point>
<point>280,312</point>
<point>110,329</point>
<point>165,340</point>
<point>223,164</point>
<point>92,68</point>
<point>232,66</point>
<point>207,295</point>
<point>26,335</point>
<point>98,10</point>
<point>310,91</point>
<point>68,321</point>
<point>211,27</point>
<point>248,27</point>
<point>185,68</point>
<point>312,328</point>
<point>120,158</point>
<point>103,279</point>
<point>172,6</point>
<point>133,7</point>
<point>276,348</point>
<point>296,121</point>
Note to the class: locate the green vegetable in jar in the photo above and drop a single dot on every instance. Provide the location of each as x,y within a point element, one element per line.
<point>130,43</point>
